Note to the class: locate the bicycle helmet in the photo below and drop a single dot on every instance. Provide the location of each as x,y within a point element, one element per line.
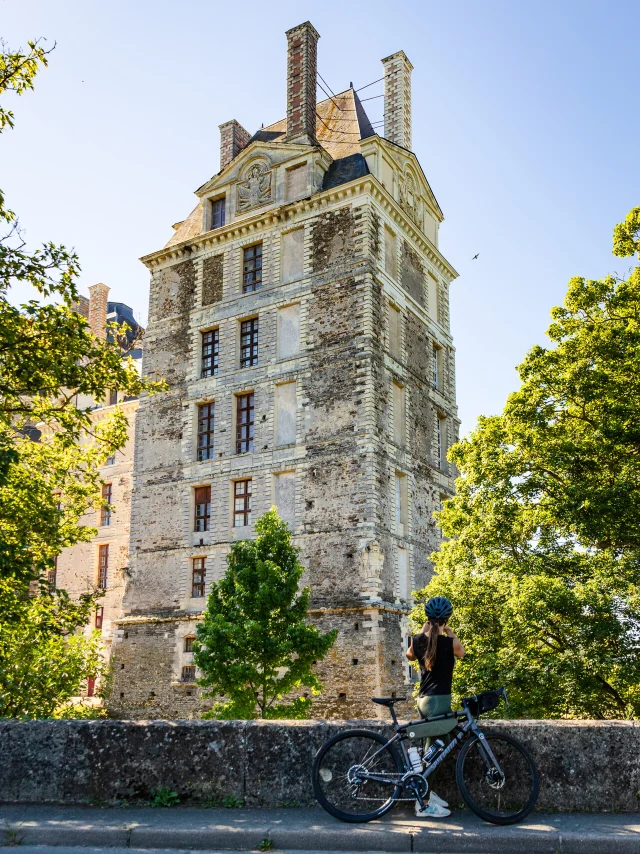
<point>438,608</point>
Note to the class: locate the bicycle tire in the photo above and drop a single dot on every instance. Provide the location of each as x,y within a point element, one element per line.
<point>318,789</point>
<point>495,817</point>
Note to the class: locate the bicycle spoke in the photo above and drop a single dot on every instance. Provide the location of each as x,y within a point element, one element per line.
<point>497,778</point>
<point>341,775</point>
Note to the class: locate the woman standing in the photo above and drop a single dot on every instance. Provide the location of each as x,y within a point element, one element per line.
<point>436,648</point>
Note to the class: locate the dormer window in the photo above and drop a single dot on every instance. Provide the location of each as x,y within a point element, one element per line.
<point>217,213</point>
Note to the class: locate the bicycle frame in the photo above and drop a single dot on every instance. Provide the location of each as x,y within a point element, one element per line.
<point>400,736</point>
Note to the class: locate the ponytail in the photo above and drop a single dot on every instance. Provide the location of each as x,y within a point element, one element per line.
<point>432,629</point>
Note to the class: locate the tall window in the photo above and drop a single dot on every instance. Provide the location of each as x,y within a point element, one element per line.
<point>401,502</point>
<point>111,460</point>
<point>105,512</point>
<point>188,643</point>
<point>252,268</point>
<point>442,443</point>
<point>198,575</point>
<point>437,366</point>
<point>390,253</point>
<point>241,503</point>
<point>217,212</point>
<point>103,566</point>
<point>399,414</point>
<point>210,351</point>
<point>99,617</point>
<point>395,332</point>
<point>205,430</point>
<point>249,343</point>
<point>244,423</point>
<point>52,575</point>
<point>113,396</point>
<point>189,673</point>
<point>202,521</point>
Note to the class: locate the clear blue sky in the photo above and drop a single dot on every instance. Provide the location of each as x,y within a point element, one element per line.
<point>525,120</point>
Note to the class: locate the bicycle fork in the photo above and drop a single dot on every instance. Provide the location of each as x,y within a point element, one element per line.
<point>485,751</point>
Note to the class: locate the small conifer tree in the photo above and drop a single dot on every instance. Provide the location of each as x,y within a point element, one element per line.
<point>254,645</point>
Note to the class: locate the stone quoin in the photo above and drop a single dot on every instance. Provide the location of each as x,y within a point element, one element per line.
<point>300,315</point>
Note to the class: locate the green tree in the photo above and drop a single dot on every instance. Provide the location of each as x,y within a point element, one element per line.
<point>50,450</point>
<point>254,645</point>
<point>543,560</point>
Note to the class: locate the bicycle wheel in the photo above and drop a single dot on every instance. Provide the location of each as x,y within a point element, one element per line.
<point>501,796</point>
<point>340,775</point>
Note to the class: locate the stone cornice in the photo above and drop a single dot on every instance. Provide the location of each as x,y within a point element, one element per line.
<point>368,184</point>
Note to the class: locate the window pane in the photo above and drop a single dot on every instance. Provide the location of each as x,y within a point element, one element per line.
<point>202,508</point>
<point>249,343</point>
<point>244,423</point>
<point>206,423</point>
<point>198,576</point>
<point>242,503</point>
<point>217,213</point>
<point>103,566</point>
<point>105,512</point>
<point>252,268</point>
<point>210,352</point>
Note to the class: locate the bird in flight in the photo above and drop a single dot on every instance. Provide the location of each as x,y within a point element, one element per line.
<point>475,256</point>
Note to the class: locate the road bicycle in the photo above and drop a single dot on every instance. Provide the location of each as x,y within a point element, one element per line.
<point>358,775</point>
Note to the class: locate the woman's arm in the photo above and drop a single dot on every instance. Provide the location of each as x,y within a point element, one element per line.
<point>458,649</point>
<point>411,654</point>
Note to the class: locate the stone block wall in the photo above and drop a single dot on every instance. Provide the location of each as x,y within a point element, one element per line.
<point>360,409</point>
<point>584,765</point>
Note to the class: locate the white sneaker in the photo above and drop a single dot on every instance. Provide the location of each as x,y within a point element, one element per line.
<point>432,811</point>
<point>436,799</point>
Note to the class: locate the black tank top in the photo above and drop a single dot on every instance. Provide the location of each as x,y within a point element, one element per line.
<point>438,680</point>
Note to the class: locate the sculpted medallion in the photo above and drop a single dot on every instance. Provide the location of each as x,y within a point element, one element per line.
<point>255,189</point>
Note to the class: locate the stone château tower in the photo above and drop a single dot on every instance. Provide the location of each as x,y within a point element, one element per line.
<point>300,315</point>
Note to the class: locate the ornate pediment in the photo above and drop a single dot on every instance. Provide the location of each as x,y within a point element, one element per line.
<point>256,188</point>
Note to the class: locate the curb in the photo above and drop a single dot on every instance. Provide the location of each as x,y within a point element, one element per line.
<point>487,840</point>
<point>309,831</point>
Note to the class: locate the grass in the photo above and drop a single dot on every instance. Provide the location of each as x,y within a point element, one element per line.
<point>266,844</point>
<point>12,836</point>
<point>165,797</point>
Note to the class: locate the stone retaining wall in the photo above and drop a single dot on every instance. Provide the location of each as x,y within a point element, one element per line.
<point>584,765</point>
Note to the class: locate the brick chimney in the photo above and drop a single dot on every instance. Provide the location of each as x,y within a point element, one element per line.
<point>302,69</point>
<point>233,138</point>
<point>81,305</point>
<point>397,99</point>
<point>98,298</point>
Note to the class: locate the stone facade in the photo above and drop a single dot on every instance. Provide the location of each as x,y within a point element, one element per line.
<point>353,402</point>
<point>78,569</point>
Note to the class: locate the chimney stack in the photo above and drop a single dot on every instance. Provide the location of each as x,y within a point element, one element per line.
<point>397,99</point>
<point>98,298</point>
<point>302,69</point>
<point>233,138</point>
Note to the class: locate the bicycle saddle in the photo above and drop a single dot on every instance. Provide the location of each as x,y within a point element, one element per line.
<point>387,701</point>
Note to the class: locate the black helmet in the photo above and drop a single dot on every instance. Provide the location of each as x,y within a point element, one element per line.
<point>438,608</point>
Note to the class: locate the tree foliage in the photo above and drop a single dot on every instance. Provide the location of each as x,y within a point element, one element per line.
<point>51,368</point>
<point>254,645</point>
<point>543,560</point>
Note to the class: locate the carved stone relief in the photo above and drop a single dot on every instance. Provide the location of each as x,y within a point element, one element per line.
<point>408,199</point>
<point>255,190</point>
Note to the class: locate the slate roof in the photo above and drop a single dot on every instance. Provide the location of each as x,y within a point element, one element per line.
<point>342,122</point>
